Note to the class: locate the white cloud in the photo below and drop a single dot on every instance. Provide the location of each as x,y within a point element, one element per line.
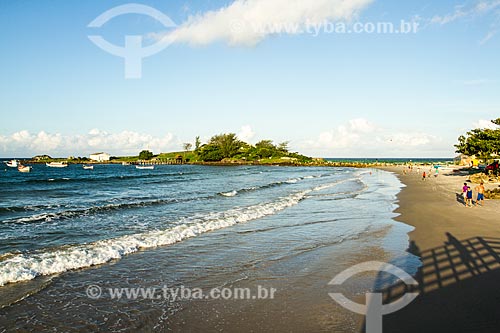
<point>344,136</point>
<point>488,37</point>
<point>360,137</point>
<point>484,124</point>
<point>246,133</point>
<point>25,144</point>
<point>459,13</point>
<point>481,7</point>
<point>416,139</point>
<point>247,22</point>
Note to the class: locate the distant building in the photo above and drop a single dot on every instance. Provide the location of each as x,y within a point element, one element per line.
<point>100,157</point>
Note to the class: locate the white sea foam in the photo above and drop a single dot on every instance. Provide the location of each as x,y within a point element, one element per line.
<point>229,194</point>
<point>23,267</point>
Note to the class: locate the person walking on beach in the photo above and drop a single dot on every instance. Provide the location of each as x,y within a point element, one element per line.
<point>424,176</point>
<point>480,194</point>
<point>464,192</point>
<point>469,197</point>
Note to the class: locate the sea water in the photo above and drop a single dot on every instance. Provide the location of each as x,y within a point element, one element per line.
<point>64,229</point>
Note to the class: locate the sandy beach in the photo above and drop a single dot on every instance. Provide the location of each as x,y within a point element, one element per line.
<point>460,252</point>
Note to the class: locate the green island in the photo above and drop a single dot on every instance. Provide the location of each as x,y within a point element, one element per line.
<point>477,148</point>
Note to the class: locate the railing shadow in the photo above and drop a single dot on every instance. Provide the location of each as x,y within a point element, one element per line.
<point>458,286</point>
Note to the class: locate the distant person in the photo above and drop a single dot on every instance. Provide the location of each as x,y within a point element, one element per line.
<point>424,176</point>
<point>480,194</point>
<point>464,192</point>
<point>436,173</point>
<point>469,197</point>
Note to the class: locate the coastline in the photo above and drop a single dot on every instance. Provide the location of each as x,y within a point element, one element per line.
<point>433,209</point>
<point>460,252</point>
<point>311,247</point>
<point>460,269</point>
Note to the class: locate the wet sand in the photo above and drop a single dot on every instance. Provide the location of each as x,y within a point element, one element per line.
<point>460,251</point>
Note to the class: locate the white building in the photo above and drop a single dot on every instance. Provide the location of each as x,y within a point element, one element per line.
<point>100,157</point>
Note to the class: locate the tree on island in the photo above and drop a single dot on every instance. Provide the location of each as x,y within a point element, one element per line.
<point>283,146</point>
<point>145,155</point>
<point>220,147</point>
<point>481,142</point>
<point>228,146</point>
<point>265,149</point>
<point>187,148</point>
<point>197,144</point>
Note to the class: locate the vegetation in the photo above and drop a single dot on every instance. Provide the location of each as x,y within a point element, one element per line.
<point>145,155</point>
<point>224,148</point>
<point>174,156</point>
<point>227,147</point>
<point>481,142</point>
<point>484,143</point>
<point>220,147</point>
<point>197,144</point>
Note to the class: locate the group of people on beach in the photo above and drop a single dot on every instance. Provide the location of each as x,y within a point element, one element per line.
<point>425,174</point>
<point>467,194</point>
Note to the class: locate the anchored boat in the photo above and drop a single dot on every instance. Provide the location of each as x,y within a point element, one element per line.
<point>57,164</point>
<point>145,167</point>
<point>12,163</point>
<point>23,168</point>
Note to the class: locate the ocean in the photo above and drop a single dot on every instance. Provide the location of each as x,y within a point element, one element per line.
<point>63,230</point>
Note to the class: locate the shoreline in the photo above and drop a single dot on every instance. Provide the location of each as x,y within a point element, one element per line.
<point>422,203</point>
<point>460,252</point>
<point>300,275</point>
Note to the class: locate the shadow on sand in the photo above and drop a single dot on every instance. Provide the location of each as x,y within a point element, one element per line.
<point>459,289</point>
<point>460,198</point>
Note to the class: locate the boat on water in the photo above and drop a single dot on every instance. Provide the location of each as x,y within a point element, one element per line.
<point>145,167</point>
<point>12,163</point>
<point>88,167</point>
<point>57,164</point>
<point>23,168</point>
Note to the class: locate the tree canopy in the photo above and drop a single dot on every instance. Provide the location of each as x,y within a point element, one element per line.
<point>481,142</point>
<point>227,146</point>
<point>145,155</point>
<point>221,146</point>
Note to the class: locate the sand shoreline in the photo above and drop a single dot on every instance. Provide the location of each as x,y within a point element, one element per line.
<point>460,252</point>
<point>433,209</point>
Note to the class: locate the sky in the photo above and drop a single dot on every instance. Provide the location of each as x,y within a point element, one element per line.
<point>263,69</point>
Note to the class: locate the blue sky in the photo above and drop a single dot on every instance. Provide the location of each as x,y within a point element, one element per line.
<point>331,95</point>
